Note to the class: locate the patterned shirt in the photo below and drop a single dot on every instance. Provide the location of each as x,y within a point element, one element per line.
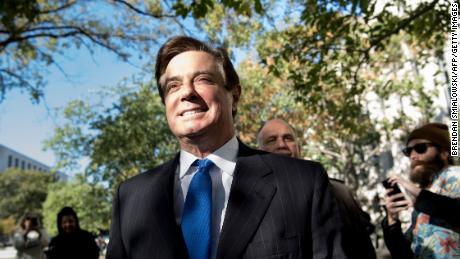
<point>433,237</point>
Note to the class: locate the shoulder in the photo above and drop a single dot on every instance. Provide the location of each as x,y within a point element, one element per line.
<point>452,172</point>
<point>450,176</point>
<point>273,160</point>
<point>283,168</point>
<point>284,162</point>
<point>447,182</point>
<point>56,240</point>
<point>296,171</point>
<point>340,186</point>
<point>86,233</point>
<point>144,177</point>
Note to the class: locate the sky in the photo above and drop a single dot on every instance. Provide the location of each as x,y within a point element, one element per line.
<point>24,126</point>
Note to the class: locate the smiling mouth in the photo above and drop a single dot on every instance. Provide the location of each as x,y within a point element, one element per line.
<point>192,112</point>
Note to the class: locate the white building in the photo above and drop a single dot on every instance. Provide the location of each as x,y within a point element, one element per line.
<point>13,159</point>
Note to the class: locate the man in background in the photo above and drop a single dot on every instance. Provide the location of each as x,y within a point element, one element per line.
<point>434,190</point>
<point>278,136</point>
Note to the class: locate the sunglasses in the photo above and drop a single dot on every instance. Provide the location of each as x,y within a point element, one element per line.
<point>420,148</point>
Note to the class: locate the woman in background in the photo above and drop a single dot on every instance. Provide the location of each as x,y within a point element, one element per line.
<point>72,242</point>
<point>30,238</point>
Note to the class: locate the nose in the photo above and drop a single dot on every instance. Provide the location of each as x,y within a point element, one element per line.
<point>413,155</point>
<point>281,144</point>
<point>188,92</point>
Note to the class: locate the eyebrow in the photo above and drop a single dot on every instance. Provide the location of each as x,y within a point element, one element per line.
<point>179,78</point>
<point>195,74</point>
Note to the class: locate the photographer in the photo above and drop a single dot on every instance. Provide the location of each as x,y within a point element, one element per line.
<point>434,188</point>
<point>29,239</point>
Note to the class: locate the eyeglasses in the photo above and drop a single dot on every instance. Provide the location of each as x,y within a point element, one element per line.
<point>420,148</point>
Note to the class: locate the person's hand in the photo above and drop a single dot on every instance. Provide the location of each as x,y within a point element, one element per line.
<point>411,188</point>
<point>395,206</point>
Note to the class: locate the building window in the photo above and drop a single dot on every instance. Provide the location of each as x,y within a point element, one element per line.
<point>23,165</point>
<point>35,168</point>
<point>10,161</point>
<point>28,166</point>
<point>16,163</point>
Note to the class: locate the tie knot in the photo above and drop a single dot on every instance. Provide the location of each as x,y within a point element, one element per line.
<point>203,164</point>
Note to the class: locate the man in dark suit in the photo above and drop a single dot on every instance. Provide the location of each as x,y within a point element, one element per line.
<point>219,198</point>
<point>279,137</point>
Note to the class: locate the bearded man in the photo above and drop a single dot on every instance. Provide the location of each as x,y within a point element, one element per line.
<point>434,192</point>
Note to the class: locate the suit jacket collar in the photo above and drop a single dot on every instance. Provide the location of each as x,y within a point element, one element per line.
<point>251,193</point>
<point>165,222</point>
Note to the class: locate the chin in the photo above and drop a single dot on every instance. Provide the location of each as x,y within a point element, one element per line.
<point>191,132</point>
<point>423,174</point>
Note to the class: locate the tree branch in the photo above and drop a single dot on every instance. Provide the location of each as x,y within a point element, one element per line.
<point>73,31</point>
<point>404,23</point>
<point>139,11</point>
<point>60,8</point>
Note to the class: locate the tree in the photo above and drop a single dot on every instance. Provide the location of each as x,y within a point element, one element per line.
<point>341,59</point>
<point>90,201</point>
<point>322,65</point>
<point>121,139</point>
<point>348,50</point>
<point>35,33</point>
<point>7,227</point>
<point>273,100</point>
<point>23,191</point>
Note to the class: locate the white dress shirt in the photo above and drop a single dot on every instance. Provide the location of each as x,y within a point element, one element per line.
<point>221,173</point>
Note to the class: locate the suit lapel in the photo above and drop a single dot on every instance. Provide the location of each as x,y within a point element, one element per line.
<point>251,193</point>
<point>163,198</point>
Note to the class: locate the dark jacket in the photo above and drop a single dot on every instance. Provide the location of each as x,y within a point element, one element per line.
<point>77,245</point>
<point>357,223</point>
<point>433,204</point>
<point>279,207</point>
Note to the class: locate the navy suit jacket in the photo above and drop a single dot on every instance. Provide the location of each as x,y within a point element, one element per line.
<point>279,207</point>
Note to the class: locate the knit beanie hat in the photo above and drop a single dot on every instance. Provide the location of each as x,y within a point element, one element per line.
<point>437,133</point>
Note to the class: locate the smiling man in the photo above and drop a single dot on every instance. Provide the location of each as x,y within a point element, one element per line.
<point>219,198</point>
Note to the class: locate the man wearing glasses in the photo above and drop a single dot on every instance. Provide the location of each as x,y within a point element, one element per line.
<point>434,193</point>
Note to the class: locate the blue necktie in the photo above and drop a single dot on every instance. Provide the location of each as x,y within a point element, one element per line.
<point>196,218</point>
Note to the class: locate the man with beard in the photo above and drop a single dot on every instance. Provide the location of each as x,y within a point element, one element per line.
<point>434,193</point>
<point>277,136</point>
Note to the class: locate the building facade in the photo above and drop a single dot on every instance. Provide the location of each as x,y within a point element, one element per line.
<point>13,159</point>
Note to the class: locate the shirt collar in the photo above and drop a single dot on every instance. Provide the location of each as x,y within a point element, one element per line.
<point>224,158</point>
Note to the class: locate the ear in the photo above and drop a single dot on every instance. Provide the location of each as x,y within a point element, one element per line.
<point>236,92</point>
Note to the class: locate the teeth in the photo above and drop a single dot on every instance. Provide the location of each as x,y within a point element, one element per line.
<point>191,112</point>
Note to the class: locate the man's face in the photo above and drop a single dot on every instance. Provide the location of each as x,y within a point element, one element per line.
<point>197,103</point>
<point>425,164</point>
<point>277,137</point>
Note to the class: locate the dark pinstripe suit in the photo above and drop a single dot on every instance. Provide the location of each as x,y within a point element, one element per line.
<point>279,207</point>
